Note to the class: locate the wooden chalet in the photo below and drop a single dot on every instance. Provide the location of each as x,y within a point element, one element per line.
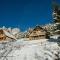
<point>37,33</point>
<point>5,35</point>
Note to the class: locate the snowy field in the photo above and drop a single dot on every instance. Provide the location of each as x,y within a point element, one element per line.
<point>30,50</point>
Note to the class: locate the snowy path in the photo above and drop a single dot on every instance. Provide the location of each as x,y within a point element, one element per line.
<point>32,50</point>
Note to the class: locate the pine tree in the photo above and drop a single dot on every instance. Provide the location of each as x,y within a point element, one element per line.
<point>56,18</point>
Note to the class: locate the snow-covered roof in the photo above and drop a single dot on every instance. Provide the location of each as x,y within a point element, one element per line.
<point>9,34</point>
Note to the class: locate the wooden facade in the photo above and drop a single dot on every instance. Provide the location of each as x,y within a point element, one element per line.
<point>2,35</point>
<point>37,33</point>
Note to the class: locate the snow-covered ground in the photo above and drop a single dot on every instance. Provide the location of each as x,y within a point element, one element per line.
<point>30,50</point>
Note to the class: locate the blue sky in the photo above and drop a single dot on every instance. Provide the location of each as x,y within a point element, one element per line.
<point>25,13</point>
